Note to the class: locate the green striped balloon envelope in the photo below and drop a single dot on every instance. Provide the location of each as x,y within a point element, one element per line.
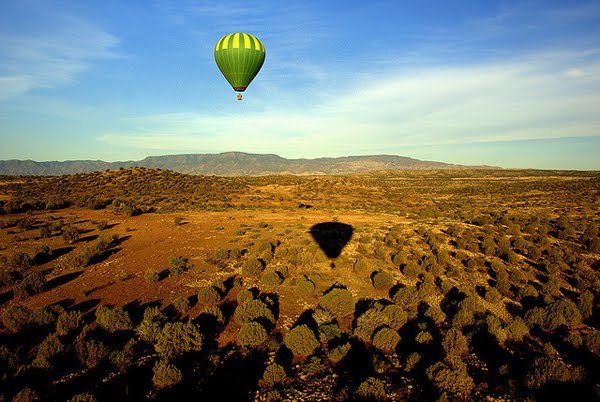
<point>239,56</point>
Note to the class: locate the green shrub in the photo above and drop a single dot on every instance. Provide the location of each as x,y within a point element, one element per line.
<point>382,280</point>
<point>455,343</point>
<point>305,286</point>
<point>209,295</point>
<point>424,338</point>
<point>20,261</point>
<point>244,295</point>
<point>585,304</point>
<point>152,276</point>
<point>406,297</point>
<point>68,321</point>
<point>165,374</point>
<point>368,322</point>
<point>91,352</point>
<point>26,395</point>
<point>273,374</point>
<point>338,301</point>
<point>516,329</point>
<point>216,312</point>
<point>70,233</point>
<point>396,316</point>
<point>451,376</point>
<point>17,317</point>
<point>411,269</point>
<point>411,361</point>
<point>301,340</point>
<point>113,319</point>
<point>592,342</point>
<point>48,350</point>
<point>32,283</point>
<point>339,352</point>
<point>371,389</point>
<point>86,397</point>
<point>436,314</point>
<point>252,310</point>
<point>272,278</point>
<point>322,316</point>
<point>253,267</point>
<point>328,332</point>
<point>492,295</point>
<point>181,304</point>
<point>123,359</point>
<point>177,338</point>
<point>177,265</point>
<point>151,325</point>
<point>386,339</point>
<point>550,369</point>
<point>252,334</point>
<point>561,312</point>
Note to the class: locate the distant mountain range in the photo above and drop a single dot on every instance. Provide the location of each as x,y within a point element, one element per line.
<point>232,164</point>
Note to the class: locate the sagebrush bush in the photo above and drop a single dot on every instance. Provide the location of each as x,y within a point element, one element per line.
<point>411,269</point>
<point>123,359</point>
<point>91,352</point>
<point>451,376</point>
<point>245,295</point>
<point>253,267</point>
<point>382,280</point>
<point>47,352</point>
<point>85,397</point>
<point>396,316</point>
<point>368,322</point>
<point>406,297</point>
<point>152,276</point>
<point>301,340</point>
<point>209,295</point>
<point>70,233</point>
<point>328,332</point>
<point>252,334</point>
<point>26,395</point>
<point>272,278</point>
<point>322,316</point>
<point>386,339</point>
<point>252,310</point>
<point>151,325</point>
<point>423,337</point>
<point>551,369</point>
<point>455,343</point>
<point>338,301</point>
<point>305,286</point>
<point>165,374</point>
<point>273,374</point>
<point>339,352</point>
<point>216,312</point>
<point>177,338</point>
<point>177,265</point>
<point>113,319</point>
<point>371,389</point>
<point>181,304</point>
<point>20,261</point>
<point>17,317</point>
<point>32,283</point>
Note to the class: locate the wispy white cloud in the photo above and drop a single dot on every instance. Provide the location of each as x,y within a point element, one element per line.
<point>541,96</point>
<point>51,58</point>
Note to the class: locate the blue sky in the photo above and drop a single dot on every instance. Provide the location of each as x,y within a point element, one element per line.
<point>506,83</point>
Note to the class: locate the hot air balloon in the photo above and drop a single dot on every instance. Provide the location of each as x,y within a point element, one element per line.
<point>239,56</point>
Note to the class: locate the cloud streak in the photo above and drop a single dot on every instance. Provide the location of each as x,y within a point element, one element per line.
<point>51,58</point>
<point>541,96</point>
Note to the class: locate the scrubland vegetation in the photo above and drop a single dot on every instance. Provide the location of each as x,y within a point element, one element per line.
<point>455,285</point>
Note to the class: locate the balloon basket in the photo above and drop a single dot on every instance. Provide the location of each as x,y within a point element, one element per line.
<point>239,97</point>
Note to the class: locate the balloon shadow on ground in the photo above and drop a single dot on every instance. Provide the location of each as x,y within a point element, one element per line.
<point>332,237</point>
